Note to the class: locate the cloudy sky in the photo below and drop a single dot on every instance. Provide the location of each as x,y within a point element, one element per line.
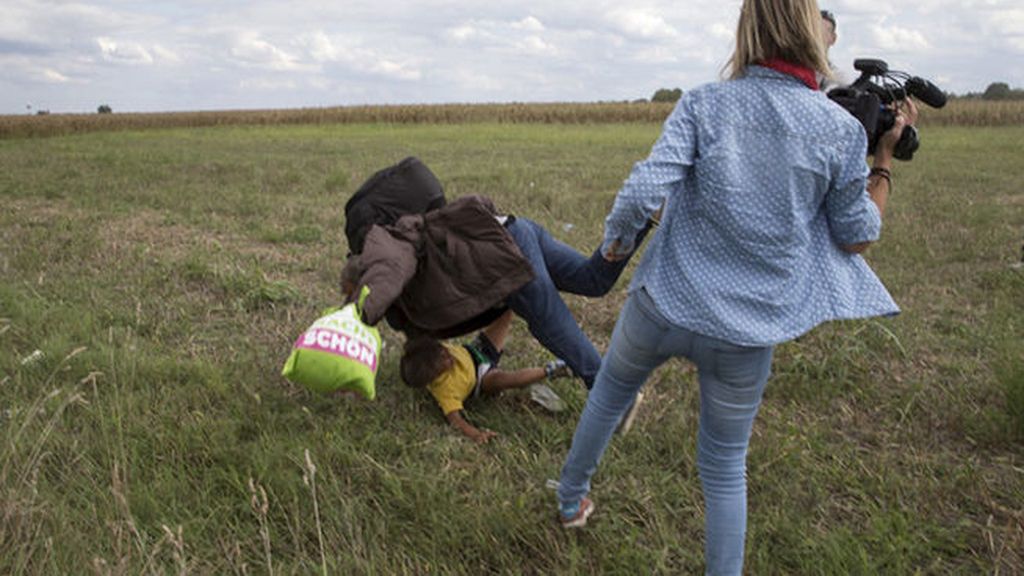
<point>188,54</point>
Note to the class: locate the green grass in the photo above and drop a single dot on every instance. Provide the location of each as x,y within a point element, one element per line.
<point>163,275</point>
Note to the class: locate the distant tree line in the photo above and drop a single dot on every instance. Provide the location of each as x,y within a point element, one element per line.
<point>667,95</point>
<point>995,91</point>
<point>1002,91</point>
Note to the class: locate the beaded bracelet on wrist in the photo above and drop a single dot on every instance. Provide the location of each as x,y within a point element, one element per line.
<point>882,173</point>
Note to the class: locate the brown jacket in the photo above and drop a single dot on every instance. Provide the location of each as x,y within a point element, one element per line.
<point>442,273</point>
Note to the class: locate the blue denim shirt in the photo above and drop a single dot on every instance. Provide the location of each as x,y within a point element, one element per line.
<point>764,179</point>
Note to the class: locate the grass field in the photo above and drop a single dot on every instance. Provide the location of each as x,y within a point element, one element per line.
<point>152,282</point>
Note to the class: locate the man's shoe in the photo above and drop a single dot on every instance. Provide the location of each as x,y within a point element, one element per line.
<point>557,369</point>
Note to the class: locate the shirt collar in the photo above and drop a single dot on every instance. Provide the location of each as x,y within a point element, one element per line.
<point>802,73</point>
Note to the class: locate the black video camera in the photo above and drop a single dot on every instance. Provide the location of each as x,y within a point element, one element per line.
<point>870,97</point>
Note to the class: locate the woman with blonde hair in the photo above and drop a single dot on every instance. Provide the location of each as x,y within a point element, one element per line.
<point>767,202</point>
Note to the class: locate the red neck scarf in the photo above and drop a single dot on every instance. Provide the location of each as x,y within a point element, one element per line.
<point>802,73</point>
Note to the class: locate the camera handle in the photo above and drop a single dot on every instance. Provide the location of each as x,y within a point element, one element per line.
<point>908,143</point>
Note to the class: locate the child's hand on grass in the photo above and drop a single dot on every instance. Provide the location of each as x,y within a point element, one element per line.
<point>483,435</point>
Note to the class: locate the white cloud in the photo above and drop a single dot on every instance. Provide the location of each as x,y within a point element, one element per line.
<point>488,32</point>
<point>527,37</point>
<point>252,50</point>
<point>126,52</point>
<point>464,33</point>
<point>898,39</point>
<point>322,48</point>
<point>25,69</point>
<point>536,46</point>
<point>641,23</point>
<point>722,32</point>
<point>351,53</point>
<point>165,55</point>
<point>397,70</point>
<point>50,75</point>
<point>529,24</point>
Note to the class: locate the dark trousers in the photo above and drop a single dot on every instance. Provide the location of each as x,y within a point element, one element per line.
<point>560,268</point>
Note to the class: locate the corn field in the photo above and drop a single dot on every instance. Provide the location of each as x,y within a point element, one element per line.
<point>958,112</point>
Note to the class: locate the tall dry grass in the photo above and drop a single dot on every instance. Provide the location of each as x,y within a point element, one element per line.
<point>974,112</point>
<point>514,113</point>
<point>957,112</point>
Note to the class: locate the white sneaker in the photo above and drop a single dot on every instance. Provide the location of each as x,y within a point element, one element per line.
<point>543,394</point>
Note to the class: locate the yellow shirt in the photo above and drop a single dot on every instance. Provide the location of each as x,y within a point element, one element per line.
<point>457,383</point>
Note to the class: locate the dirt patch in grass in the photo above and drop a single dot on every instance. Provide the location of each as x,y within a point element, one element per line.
<point>151,232</point>
<point>175,241</point>
<point>1009,200</point>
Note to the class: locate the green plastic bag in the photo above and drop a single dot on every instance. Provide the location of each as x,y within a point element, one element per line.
<point>338,352</point>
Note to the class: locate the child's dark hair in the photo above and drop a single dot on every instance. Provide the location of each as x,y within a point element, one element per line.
<point>423,359</point>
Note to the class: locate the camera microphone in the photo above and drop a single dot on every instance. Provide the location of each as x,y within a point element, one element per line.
<point>926,91</point>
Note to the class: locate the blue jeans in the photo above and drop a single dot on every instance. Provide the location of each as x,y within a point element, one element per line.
<point>560,268</point>
<point>732,379</point>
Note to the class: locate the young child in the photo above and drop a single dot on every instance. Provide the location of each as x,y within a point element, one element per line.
<point>452,373</point>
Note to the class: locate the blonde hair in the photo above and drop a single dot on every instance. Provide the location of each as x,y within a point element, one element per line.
<point>789,30</point>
